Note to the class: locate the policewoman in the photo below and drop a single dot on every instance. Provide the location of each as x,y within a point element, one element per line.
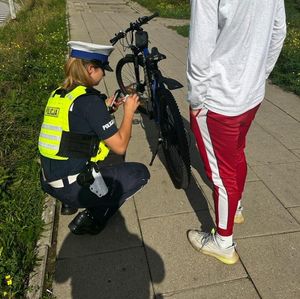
<point>76,136</point>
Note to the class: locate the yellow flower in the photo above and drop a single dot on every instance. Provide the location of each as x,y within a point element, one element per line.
<point>8,280</point>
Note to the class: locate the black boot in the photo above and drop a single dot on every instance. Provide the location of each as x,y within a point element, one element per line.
<point>84,223</point>
<point>67,210</point>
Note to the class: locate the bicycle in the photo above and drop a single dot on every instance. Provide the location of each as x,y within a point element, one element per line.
<point>138,72</point>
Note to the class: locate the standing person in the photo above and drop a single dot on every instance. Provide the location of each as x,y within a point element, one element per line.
<point>76,135</point>
<point>233,47</point>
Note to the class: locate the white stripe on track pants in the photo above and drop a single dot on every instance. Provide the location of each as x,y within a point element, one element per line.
<point>221,142</point>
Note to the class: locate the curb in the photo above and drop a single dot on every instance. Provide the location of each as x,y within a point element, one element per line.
<point>37,276</point>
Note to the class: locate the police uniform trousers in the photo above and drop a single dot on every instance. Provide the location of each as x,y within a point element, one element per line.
<point>123,180</point>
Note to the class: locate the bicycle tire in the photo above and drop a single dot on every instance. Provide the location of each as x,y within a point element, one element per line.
<point>174,140</point>
<point>126,77</point>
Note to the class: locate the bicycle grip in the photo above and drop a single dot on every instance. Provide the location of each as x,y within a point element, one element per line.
<point>156,14</point>
<point>117,37</point>
<point>114,40</point>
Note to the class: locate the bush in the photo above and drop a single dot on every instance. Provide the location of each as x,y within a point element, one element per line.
<point>287,70</point>
<point>32,53</point>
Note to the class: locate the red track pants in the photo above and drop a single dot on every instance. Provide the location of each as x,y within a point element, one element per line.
<point>221,142</point>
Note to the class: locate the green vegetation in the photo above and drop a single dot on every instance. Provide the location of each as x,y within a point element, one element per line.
<point>178,9</point>
<point>287,71</point>
<point>182,30</point>
<point>32,52</point>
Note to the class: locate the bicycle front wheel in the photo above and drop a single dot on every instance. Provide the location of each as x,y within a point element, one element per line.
<point>174,140</point>
<point>127,76</point>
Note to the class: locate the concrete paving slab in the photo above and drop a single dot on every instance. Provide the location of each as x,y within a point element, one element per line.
<point>119,274</point>
<point>77,26</point>
<point>273,263</point>
<point>264,214</point>
<point>140,150</point>
<point>283,180</point>
<point>251,176</point>
<point>109,7</point>
<point>121,232</point>
<point>160,198</point>
<point>279,124</point>
<point>295,213</point>
<point>286,101</point>
<point>4,12</point>
<point>296,152</point>
<point>263,148</point>
<point>232,289</point>
<point>185,268</point>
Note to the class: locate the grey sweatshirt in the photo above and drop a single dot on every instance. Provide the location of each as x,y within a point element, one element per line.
<point>233,47</point>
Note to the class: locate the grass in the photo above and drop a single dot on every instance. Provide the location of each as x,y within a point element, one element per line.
<point>286,73</point>
<point>287,70</point>
<point>177,9</point>
<point>32,53</point>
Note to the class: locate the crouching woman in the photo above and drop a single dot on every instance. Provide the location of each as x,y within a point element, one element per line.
<point>76,136</point>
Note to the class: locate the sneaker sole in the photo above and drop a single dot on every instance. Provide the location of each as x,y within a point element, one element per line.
<point>239,219</point>
<point>224,260</point>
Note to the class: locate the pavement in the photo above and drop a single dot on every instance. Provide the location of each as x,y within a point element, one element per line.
<point>4,12</point>
<point>143,252</point>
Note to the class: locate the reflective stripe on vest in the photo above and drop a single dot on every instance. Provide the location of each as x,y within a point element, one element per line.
<point>56,120</point>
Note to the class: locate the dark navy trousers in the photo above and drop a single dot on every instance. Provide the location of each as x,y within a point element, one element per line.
<point>123,180</point>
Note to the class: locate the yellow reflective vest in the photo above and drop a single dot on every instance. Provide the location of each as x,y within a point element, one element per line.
<point>56,121</point>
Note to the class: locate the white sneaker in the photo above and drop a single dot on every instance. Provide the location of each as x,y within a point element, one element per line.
<point>239,218</point>
<point>207,244</point>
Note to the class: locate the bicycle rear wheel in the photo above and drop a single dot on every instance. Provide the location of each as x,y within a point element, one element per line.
<point>174,140</point>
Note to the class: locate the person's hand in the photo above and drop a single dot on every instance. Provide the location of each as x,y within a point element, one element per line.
<point>195,112</point>
<point>108,101</point>
<point>131,102</point>
<point>114,105</point>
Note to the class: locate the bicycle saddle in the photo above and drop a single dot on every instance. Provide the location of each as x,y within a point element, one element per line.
<point>155,55</point>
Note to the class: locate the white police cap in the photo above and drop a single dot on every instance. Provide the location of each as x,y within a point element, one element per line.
<point>90,51</point>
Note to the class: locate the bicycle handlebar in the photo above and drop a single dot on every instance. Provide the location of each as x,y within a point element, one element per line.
<point>133,26</point>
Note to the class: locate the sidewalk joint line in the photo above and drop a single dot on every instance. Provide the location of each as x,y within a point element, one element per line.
<point>97,253</point>
<point>281,109</point>
<point>175,214</point>
<point>144,247</point>
<point>269,235</point>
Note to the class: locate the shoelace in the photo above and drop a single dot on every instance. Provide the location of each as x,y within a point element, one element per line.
<point>208,236</point>
<point>239,210</point>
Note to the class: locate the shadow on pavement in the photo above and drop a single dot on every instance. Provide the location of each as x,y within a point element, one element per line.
<point>193,192</point>
<point>113,264</point>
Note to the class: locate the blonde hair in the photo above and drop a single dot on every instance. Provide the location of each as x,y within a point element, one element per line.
<point>76,73</point>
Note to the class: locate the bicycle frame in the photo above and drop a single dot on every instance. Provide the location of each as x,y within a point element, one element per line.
<point>152,74</point>
<point>138,72</point>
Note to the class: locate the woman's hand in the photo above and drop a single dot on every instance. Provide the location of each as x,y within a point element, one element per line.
<point>119,141</point>
<point>131,102</point>
<point>113,104</point>
<point>108,101</point>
